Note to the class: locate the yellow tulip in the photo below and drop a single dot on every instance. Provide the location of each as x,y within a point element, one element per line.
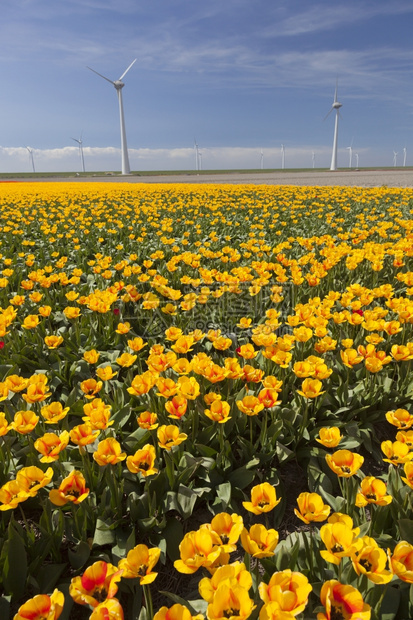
<point>311,508</point>
<point>344,463</point>
<point>263,499</point>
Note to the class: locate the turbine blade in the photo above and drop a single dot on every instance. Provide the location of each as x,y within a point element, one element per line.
<point>327,115</point>
<point>123,74</point>
<point>102,76</point>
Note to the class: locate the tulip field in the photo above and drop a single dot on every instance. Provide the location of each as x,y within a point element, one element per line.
<point>206,402</point>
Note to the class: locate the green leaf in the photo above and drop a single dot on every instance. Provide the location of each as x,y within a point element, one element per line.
<point>200,606</point>
<point>406,530</point>
<point>223,493</point>
<point>79,556</point>
<point>143,614</point>
<point>186,499</point>
<point>4,607</point>
<point>48,577</point>
<point>242,477</point>
<point>173,534</point>
<point>338,504</point>
<point>103,535</point>
<point>390,604</point>
<point>284,454</point>
<point>17,563</point>
<point>122,416</point>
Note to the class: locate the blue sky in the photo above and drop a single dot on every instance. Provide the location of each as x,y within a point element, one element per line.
<point>241,77</point>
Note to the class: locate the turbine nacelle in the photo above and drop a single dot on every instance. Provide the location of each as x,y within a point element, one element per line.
<point>118,84</point>
<point>336,105</point>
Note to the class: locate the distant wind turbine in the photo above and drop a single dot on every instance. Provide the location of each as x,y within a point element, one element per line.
<point>196,155</point>
<point>200,160</point>
<point>335,106</point>
<point>118,84</point>
<point>313,158</point>
<point>31,157</point>
<point>282,156</point>
<point>404,156</point>
<point>262,159</point>
<point>357,159</point>
<point>395,158</point>
<point>350,150</point>
<point>80,143</point>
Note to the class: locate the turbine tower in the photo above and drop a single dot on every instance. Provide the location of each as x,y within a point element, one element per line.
<point>336,106</point>
<point>313,158</point>
<point>197,160</point>
<point>282,156</point>
<point>118,84</point>
<point>31,157</point>
<point>350,150</point>
<point>262,159</point>
<point>404,156</point>
<point>395,158</point>
<point>80,143</point>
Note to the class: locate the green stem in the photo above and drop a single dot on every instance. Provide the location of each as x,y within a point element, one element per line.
<point>311,552</point>
<point>148,601</point>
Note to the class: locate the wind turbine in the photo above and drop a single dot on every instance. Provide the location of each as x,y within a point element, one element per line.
<point>31,156</point>
<point>80,143</point>
<point>197,155</point>
<point>357,160</point>
<point>282,156</point>
<point>350,150</point>
<point>395,158</point>
<point>404,156</point>
<point>262,159</point>
<point>313,158</point>
<point>118,84</point>
<point>335,106</point>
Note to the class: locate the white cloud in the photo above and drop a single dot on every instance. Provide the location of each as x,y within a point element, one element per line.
<point>67,159</point>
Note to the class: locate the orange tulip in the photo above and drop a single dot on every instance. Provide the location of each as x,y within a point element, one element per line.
<point>289,589</point>
<point>90,387</point>
<point>176,407</point>
<point>199,548</point>
<point>258,541</point>
<point>109,452</point>
<point>11,494</point>
<point>42,607</point>
<point>169,436</point>
<point>372,491</point>
<point>83,434</point>
<point>219,411</point>
<point>51,445</point>
<point>110,609</point>
<point>342,601</point>
<point>139,564</point>
<point>143,461</point>
<point>311,388</point>
<point>148,420</point>
<point>401,561</point>
<point>24,421</point>
<point>98,583</point>
<point>53,412</point>
<point>71,489</point>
